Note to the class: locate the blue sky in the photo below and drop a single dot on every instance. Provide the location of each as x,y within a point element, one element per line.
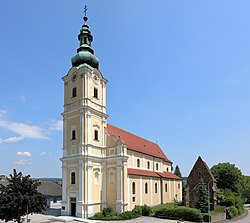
<point>178,72</point>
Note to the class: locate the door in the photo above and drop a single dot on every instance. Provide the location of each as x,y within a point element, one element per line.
<point>73,209</point>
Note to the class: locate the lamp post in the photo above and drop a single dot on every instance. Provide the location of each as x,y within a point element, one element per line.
<point>208,199</point>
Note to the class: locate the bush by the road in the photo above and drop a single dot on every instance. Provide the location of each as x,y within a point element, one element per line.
<point>184,213</point>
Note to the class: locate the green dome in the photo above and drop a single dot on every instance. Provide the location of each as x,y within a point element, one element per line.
<point>85,57</point>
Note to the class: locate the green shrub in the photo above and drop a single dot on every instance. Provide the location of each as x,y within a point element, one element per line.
<point>108,211</point>
<point>137,211</point>
<point>97,216</point>
<point>240,209</point>
<point>232,211</point>
<point>146,210</point>
<point>184,213</point>
<point>219,209</point>
<point>127,215</point>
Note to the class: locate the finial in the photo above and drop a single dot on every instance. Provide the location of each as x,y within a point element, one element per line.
<point>85,18</point>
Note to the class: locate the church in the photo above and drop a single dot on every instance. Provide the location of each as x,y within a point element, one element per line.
<point>103,165</point>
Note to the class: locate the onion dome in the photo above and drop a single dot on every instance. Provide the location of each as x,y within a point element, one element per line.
<point>85,54</point>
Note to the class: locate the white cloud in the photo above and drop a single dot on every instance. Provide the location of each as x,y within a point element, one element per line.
<point>45,154</point>
<point>3,112</point>
<point>25,130</point>
<point>24,154</point>
<point>23,162</point>
<point>12,139</point>
<point>56,125</point>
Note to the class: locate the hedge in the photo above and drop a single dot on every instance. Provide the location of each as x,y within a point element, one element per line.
<point>108,214</point>
<point>184,213</point>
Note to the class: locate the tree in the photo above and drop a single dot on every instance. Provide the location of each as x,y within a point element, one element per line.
<point>202,201</point>
<point>20,197</point>
<point>177,171</point>
<point>246,190</point>
<point>228,177</point>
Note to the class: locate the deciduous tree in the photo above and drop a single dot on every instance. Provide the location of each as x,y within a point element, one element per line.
<point>20,197</point>
<point>228,177</point>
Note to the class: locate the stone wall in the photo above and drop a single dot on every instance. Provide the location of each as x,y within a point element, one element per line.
<point>200,172</point>
<point>218,217</point>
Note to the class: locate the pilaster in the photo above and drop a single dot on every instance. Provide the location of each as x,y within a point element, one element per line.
<point>119,201</point>
<point>89,202</point>
<point>104,186</point>
<point>64,188</point>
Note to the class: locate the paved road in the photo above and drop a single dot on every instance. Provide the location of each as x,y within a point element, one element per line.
<point>245,219</point>
<point>39,218</point>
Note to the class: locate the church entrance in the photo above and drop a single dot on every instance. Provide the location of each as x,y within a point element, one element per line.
<point>73,207</point>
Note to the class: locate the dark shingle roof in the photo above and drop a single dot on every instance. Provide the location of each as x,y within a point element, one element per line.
<point>50,188</point>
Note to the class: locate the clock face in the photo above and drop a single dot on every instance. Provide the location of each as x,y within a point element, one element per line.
<point>74,76</point>
<point>96,79</point>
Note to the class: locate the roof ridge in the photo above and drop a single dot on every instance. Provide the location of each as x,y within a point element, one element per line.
<point>134,135</point>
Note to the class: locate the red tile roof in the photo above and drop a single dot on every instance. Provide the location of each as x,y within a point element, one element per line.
<point>140,172</point>
<point>149,173</point>
<point>168,175</point>
<point>137,143</point>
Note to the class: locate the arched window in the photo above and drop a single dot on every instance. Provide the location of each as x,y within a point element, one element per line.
<point>148,165</point>
<point>96,135</point>
<point>133,188</point>
<point>138,162</point>
<point>73,134</point>
<point>156,188</point>
<point>73,178</point>
<point>166,187</point>
<point>96,93</point>
<point>156,166</point>
<point>74,92</point>
<point>133,192</point>
<point>167,169</point>
<point>146,188</point>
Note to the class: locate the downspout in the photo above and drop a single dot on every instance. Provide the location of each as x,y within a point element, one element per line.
<point>161,188</point>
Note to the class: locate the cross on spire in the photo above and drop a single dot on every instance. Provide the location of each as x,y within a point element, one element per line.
<point>85,18</point>
<point>85,10</point>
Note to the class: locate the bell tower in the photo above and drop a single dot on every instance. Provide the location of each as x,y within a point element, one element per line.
<point>84,124</point>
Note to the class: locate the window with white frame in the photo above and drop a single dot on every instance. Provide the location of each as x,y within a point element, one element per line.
<point>73,178</point>
<point>96,135</point>
<point>146,188</point>
<point>96,132</point>
<point>156,188</point>
<point>73,132</point>
<point>148,165</point>
<point>157,166</point>
<point>138,162</point>
<point>133,192</point>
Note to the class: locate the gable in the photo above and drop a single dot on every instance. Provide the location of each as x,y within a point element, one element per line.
<point>200,171</point>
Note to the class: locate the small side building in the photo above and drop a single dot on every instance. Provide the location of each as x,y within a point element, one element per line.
<point>200,172</point>
<point>53,191</point>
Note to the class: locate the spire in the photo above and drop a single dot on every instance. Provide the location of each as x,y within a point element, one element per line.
<point>85,54</point>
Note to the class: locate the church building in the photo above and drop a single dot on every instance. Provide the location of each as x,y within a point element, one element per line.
<point>103,165</point>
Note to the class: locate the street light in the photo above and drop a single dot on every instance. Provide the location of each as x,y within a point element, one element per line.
<point>208,191</point>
